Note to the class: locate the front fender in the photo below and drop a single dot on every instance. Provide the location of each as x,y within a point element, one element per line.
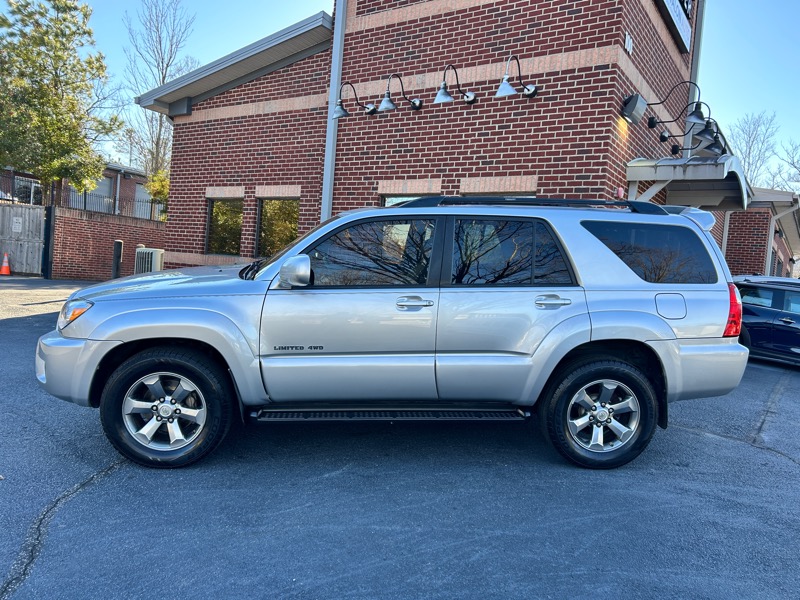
<point>193,324</point>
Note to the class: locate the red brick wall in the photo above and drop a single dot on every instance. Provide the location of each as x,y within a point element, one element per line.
<point>570,137</point>
<point>747,241</point>
<point>276,148</point>
<point>83,243</point>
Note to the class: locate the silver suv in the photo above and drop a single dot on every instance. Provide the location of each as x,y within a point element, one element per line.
<point>592,315</point>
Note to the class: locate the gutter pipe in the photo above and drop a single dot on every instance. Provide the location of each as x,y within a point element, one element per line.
<point>337,56</point>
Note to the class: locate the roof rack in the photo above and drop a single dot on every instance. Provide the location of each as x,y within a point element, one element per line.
<point>637,206</point>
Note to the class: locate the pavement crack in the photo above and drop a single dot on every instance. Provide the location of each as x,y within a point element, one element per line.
<point>770,407</point>
<point>751,442</point>
<point>34,540</point>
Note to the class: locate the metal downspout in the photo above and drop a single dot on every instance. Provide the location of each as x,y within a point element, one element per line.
<point>772,222</point>
<point>337,53</point>
<point>725,231</point>
<point>697,42</point>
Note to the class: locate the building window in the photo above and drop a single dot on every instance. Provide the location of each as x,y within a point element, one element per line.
<point>224,226</point>
<point>395,200</point>
<point>277,225</point>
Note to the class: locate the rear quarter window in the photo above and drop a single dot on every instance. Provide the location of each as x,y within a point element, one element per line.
<point>657,253</point>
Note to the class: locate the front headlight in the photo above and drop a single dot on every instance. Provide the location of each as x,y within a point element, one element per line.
<point>71,311</point>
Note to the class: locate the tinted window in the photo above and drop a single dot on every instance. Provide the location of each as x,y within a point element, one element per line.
<point>756,296</point>
<point>499,252</point>
<point>657,253</point>
<point>375,253</point>
<point>549,266</point>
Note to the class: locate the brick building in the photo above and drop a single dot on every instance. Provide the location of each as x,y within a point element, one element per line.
<point>258,154</point>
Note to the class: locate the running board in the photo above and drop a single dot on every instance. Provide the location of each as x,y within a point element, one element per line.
<point>399,414</point>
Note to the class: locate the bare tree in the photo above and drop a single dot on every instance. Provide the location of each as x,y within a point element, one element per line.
<point>156,40</point>
<point>753,139</point>
<point>790,167</point>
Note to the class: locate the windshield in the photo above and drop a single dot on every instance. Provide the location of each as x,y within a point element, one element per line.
<point>255,268</point>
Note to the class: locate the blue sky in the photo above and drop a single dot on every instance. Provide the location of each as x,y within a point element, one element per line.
<point>749,60</point>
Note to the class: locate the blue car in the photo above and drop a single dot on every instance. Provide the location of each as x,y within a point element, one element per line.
<point>770,317</point>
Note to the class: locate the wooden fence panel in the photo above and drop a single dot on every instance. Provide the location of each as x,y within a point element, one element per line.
<point>22,237</point>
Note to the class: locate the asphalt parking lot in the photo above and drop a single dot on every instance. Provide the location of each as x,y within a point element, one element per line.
<point>382,510</point>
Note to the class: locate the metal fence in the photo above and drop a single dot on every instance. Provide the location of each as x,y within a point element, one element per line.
<point>16,189</point>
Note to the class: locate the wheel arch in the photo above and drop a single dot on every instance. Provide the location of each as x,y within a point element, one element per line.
<point>123,352</point>
<point>633,352</point>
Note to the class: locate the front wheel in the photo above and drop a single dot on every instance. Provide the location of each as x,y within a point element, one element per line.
<point>166,407</point>
<point>601,415</point>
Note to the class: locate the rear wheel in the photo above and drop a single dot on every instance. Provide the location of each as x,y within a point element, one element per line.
<point>601,415</point>
<point>166,407</point>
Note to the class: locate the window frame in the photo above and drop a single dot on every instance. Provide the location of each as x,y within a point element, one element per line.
<point>434,267</point>
<point>259,214</point>
<point>210,214</point>
<point>449,252</point>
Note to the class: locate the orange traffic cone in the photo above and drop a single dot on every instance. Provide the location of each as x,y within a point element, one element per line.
<point>5,269</point>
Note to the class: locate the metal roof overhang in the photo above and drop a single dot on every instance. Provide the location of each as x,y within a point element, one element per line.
<point>269,54</point>
<point>786,205</point>
<point>709,183</point>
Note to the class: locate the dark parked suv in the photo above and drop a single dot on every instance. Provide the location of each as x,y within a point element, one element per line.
<point>593,318</point>
<point>771,317</point>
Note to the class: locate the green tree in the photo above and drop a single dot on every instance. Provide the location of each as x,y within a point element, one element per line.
<point>52,92</point>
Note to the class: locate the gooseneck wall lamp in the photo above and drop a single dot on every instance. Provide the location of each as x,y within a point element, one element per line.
<point>388,104</point>
<point>506,89</point>
<point>444,96</point>
<point>341,111</point>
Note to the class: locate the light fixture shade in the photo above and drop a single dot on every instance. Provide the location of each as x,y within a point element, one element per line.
<point>696,117</point>
<point>340,110</point>
<point>707,134</point>
<point>443,95</point>
<point>715,148</point>
<point>633,108</point>
<point>386,103</point>
<point>505,89</point>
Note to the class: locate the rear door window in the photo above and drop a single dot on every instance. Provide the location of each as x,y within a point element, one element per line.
<point>657,253</point>
<point>500,252</point>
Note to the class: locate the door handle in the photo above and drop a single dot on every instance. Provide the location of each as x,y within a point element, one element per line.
<point>406,302</point>
<point>787,320</point>
<point>551,301</point>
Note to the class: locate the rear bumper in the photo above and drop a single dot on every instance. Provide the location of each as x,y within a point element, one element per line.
<point>65,366</point>
<point>701,368</point>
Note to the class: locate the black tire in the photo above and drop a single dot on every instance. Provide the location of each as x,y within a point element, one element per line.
<point>582,396</point>
<point>167,407</point>
<point>744,337</point>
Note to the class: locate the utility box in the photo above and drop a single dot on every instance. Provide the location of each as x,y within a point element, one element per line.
<point>148,259</point>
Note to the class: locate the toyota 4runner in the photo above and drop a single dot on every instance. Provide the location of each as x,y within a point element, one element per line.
<point>594,316</point>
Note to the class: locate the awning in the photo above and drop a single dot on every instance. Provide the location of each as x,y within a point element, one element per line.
<point>784,206</point>
<point>709,183</point>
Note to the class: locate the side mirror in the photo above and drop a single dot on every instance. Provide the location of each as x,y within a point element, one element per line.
<point>295,271</point>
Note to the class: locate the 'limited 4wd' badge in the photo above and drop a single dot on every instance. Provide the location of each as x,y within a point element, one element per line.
<point>297,348</point>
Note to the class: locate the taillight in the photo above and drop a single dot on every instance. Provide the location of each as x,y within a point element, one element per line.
<point>734,326</point>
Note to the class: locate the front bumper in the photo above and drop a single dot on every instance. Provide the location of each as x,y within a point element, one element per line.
<point>65,366</point>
